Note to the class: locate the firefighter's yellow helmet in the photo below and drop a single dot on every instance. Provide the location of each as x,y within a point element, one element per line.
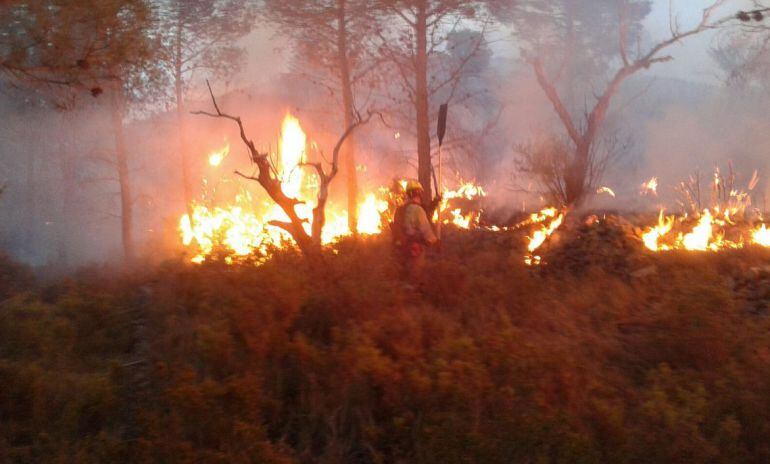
<point>413,186</point>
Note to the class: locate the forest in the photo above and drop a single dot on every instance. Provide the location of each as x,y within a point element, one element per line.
<point>384,231</point>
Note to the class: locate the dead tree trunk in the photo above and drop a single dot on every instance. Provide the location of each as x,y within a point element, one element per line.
<point>121,158</point>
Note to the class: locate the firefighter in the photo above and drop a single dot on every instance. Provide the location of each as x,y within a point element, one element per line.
<point>412,232</point>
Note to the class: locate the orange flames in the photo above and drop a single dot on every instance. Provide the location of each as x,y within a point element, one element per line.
<point>243,228</point>
<point>547,222</point>
<point>761,236</point>
<point>708,234</point>
<point>653,236</point>
<point>469,191</point>
<point>235,228</point>
<point>724,218</point>
<point>650,187</point>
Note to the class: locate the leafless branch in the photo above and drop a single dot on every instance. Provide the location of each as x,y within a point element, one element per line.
<point>266,177</point>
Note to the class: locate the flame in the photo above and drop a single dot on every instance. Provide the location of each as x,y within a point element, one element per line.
<point>707,234</point>
<point>654,234</point>
<point>234,227</point>
<point>761,236</point>
<point>216,157</point>
<point>538,238</point>
<point>650,187</point>
<point>548,221</point>
<point>369,215</point>
<point>460,220</point>
<point>606,190</point>
<point>292,149</point>
<point>244,228</point>
<point>240,229</point>
<point>700,237</point>
<point>469,191</point>
<point>542,215</point>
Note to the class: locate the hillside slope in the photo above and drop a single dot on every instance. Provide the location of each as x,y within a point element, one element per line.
<point>489,361</point>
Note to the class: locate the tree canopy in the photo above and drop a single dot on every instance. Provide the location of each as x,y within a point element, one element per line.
<point>71,43</point>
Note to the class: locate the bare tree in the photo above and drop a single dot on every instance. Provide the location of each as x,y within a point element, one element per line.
<point>265,175</point>
<point>550,160</point>
<point>332,35</point>
<point>578,171</point>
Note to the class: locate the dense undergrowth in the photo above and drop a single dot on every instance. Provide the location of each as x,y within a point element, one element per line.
<point>489,361</point>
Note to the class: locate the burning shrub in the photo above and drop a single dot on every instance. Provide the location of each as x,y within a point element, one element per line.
<point>607,243</point>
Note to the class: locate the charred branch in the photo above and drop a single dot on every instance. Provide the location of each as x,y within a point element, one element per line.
<point>267,178</point>
<point>319,212</point>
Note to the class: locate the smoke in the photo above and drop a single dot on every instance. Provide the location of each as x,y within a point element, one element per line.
<point>727,128</point>
<point>61,207</point>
